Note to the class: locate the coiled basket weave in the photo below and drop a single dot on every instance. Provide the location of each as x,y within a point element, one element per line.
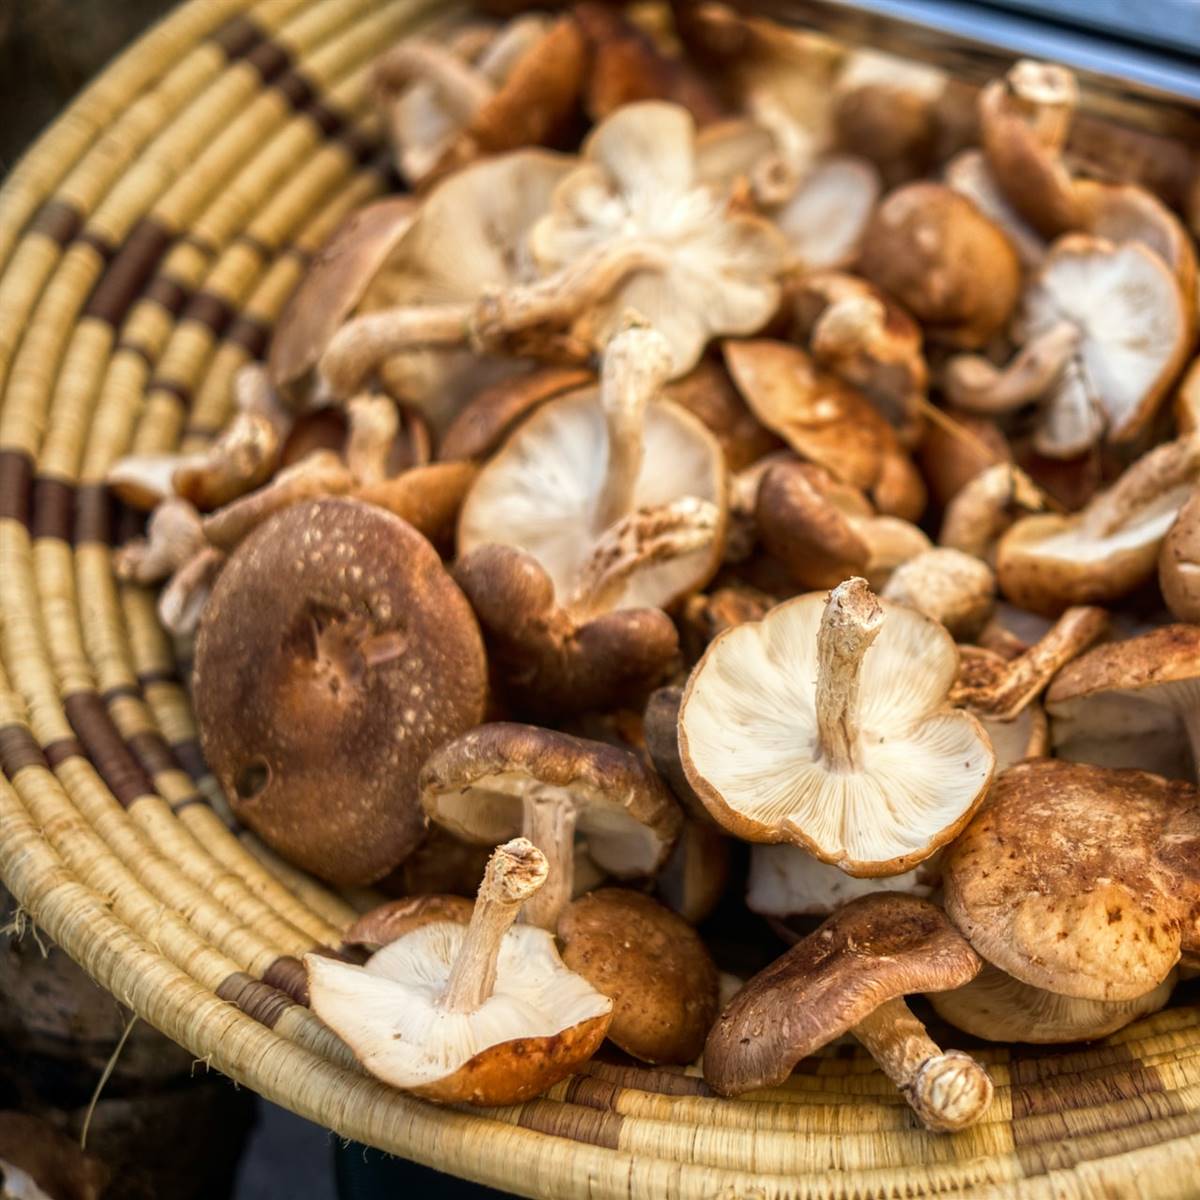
<point>147,243</point>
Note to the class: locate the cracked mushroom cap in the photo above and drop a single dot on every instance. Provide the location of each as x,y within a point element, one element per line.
<point>998,1008</point>
<point>1132,703</point>
<point>651,964</point>
<point>874,949</point>
<point>639,182</point>
<point>475,787</point>
<point>1047,562</point>
<point>826,421</point>
<point>1078,879</point>
<point>1179,563</point>
<point>763,710</point>
<point>948,264</point>
<point>312,683</point>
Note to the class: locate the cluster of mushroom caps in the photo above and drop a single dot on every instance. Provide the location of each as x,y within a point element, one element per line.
<point>788,459</point>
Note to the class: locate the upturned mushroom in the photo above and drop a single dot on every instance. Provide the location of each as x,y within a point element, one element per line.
<point>618,494</point>
<point>999,1008</point>
<point>953,588</point>
<point>1132,703</point>
<point>850,976</point>
<point>1179,563</point>
<point>1080,880</point>
<point>1104,330</point>
<point>1047,562</point>
<point>483,1013</point>
<point>651,964</point>
<point>826,421</point>
<point>481,94</point>
<point>948,264</point>
<point>825,725</point>
<point>502,779</point>
<point>322,635</point>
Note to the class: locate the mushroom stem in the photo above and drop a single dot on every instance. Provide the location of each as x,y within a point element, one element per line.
<point>948,1090</point>
<point>776,178</point>
<point>1169,466</point>
<point>852,620</point>
<point>976,385</point>
<point>514,874</point>
<point>1046,95</point>
<point>462,89</point>
<point>639,540</point>
<point>549,823</point>
<point>374,426</point>
<point>637,363</point>
<point>980,511</point>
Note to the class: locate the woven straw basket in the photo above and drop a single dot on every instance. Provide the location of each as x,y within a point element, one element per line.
<point>147,243</point>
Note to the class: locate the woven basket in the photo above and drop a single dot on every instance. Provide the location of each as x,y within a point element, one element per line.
<point>147,243</point>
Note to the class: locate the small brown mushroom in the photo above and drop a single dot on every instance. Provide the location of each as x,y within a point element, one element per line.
<point>1046,562</point>
<point>711,613</point>
<point>956,447</point>
<point>429,498</point>
<point>948,264</point>
<point>1179,563</point>
<point>500,779</point>
<point>651,964</point>
<point>1080,879</point>
<point>947,585</point>
<point>484,1013</point>
<point>322,634</point>
<point>969,173</point>
<point>849,977</point>
<point>825,725</point>
<point>1132,703</point>
<point>387,922</point>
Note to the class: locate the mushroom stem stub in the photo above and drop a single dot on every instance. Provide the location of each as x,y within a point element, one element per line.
<point>549,823</point>
<point>948,1090</point>
<point>514,873</point>
<point>852,620</point>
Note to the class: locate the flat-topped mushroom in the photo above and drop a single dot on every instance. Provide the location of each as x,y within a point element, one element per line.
<point>953,588</point>
<point>785,881</point>
<point>502,779</point>
<point>825,725</point>
<point>1132,703</point>
<point>849,977</point>
<point>618,494</point>
<point>483,1013</point>
<point>651,964</point>
<point>1179,563</point>
<point>322,635</point>
<point>717,270</point>
<point>1080,879</point>
<point>947,263</point>
<point>998,1008</point>
<point>826,421</point>
<point>1104,329</point>
<point>480,95</point>
<point>1046,562</point>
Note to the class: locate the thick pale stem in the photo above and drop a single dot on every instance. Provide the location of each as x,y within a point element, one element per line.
<point>777,177</point>
<point>641,539</point>
<point>515,873</point>
<point>374,426</point>
<point>947,1090</point>
<point>852,620</point>
<point>976,385</point>
<point>462,89</point>
<point>1046,96</point>
<point>637,363</point>
<point>549,823</point>
<point>1162,470</point>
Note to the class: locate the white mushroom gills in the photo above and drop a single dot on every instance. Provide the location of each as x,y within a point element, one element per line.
<point>514,874</point>
<point>852,620</point>
<point>948,1090</point>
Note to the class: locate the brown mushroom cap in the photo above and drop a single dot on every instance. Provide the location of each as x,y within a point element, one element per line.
<point>475,785</point>
<point>387,922</point>
<point>873,950</point>
<point>693,880</point>
<point>999,1008</point>
<point>1132,703</point>
<point>651,964</point>
<point>948,264</point>
<point>1179,563</point>
<point>323,634</point>
<point>1079,879</point>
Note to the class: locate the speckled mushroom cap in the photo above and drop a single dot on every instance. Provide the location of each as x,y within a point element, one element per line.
<point>873,950</point>
<point>653,966</point>
<point>1079,879</point>
<point>474,787</point>
<point>1132,703</point>
<point>314,665</point>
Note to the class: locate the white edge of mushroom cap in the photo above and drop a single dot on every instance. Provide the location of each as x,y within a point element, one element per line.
<point>387,1010</point>
<point>540,492</point>
<point>825,219</point>
<point>748,725</point>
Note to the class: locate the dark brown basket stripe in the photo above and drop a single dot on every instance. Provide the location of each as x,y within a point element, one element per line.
<point>16,484</point>
<point>571,1121</point>
<point>263,1003</point>
<point>123,775</point>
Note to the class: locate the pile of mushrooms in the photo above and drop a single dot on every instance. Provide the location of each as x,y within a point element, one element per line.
<point>748,485</point>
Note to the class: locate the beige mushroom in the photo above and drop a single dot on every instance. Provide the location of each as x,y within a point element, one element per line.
<point>1179,563</point>
<point>174,534</point>
<point>985,507</point>
<point>953,588</point>
<point>825,726</point>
